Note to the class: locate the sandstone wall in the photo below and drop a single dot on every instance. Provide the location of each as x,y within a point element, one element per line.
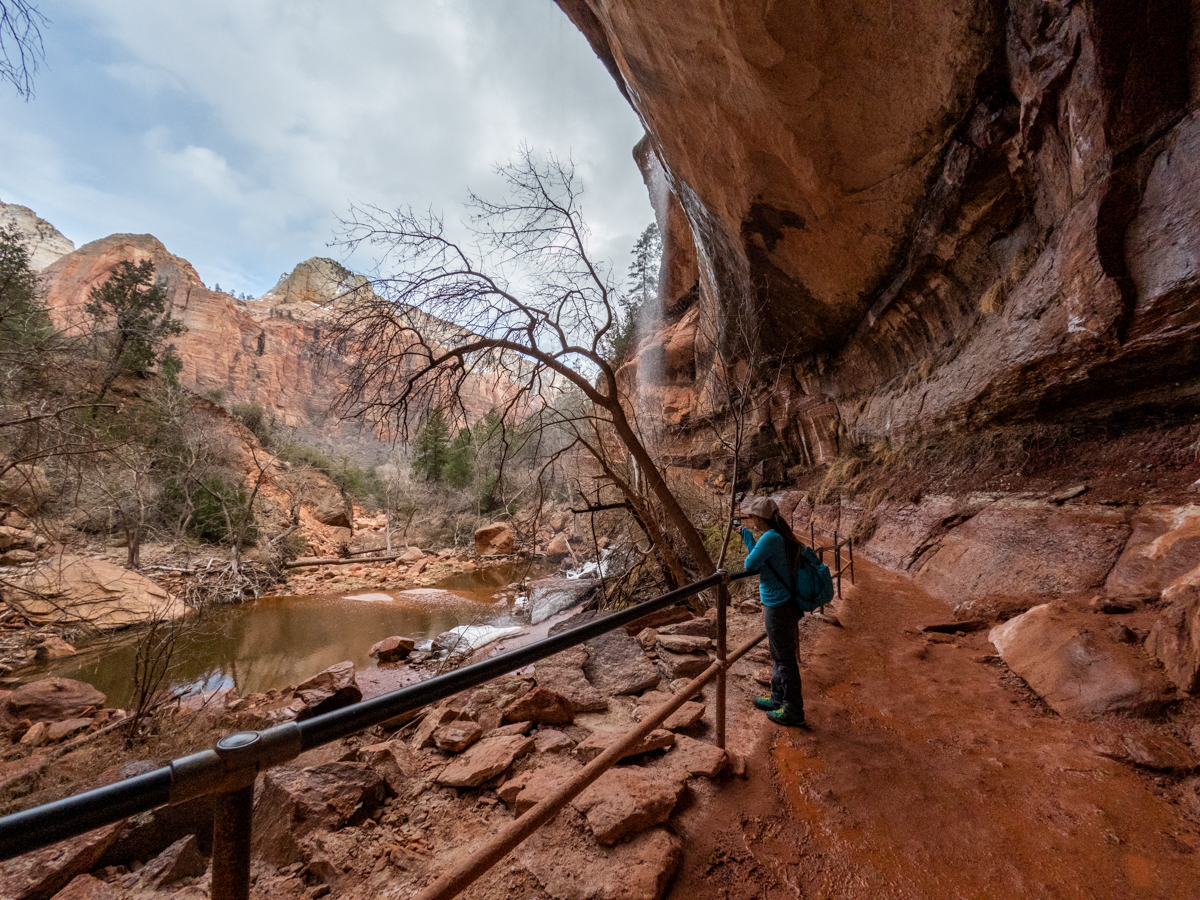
<point>935,214</point>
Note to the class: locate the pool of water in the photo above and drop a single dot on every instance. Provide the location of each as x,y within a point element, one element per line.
<point>278,641</point>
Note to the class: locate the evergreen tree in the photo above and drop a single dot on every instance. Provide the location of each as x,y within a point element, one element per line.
<point>643,291</point>
<point>431,448</point>
<point>25,328</point>
<point>136,308</point>
<point>460,460</point>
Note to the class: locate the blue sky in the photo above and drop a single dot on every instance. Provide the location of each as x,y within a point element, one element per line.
<point>237,131</point>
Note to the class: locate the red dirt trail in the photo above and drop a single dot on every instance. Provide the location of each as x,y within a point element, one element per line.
<point>929,772</point>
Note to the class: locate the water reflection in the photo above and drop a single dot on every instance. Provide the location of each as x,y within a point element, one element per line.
<point>277,641</point>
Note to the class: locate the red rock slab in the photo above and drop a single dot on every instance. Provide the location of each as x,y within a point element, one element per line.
<point>485,761</point>
<point>628,800</point>
<point>43,873</point>
<point>541,706</point>
<point>599,741</point>
<point>53,700</point>
<point>456,737</point>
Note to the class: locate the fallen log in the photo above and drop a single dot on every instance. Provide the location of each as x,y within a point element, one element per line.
<point>297,563</point>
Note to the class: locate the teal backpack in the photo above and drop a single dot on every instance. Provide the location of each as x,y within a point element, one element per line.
<point>813,587</point>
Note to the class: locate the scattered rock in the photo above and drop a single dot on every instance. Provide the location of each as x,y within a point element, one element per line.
<point>570,867</point>
<point>697,757</point>
<point>701,627</point>
<point>457,736</point>
<point>683,665</point>
<point>392,649</point>
<point>398,766</point>
<point>627,800</point>
<point>669,616</point>
<point>541,706</point>
<point>331,689</point>
<point>496,539</point>
<point>647,637</point>
<point>558,548</point>
<point>53,700</point>
<point>435,719</point>
<point>1075,667</point>
<point>683,643</point>
<point>1158,752</point>
<point>294,802</point>
<point>512,728</point>
<point>1175,637</point>
<point>42,874</point>
<point>12,538</point>
<point>1069,493</point>
<point>59,730</point>
<point>182,859</point>
<point>617,665</point>
<point>563,674</point>
<point>524,791</point>
<point>547,740</point>
<point>1122,634</point>
<point>485,760</point>
<point>18,558</point>
<point>411,555</point>
<point>1115,606</point>
<point>86,887</point>
<point>35,735</point>
<point>599,741</point>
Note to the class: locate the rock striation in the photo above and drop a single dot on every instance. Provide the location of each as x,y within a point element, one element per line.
<point>936,215</point>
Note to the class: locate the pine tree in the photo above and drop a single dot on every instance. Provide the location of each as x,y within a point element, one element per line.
<point>431,447</point>
<point>460,460</point>
<point>643,291</point>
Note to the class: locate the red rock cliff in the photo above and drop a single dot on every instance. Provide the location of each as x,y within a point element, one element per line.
<point>936,214</point>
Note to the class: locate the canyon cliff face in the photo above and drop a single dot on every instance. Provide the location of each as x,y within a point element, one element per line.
<point>917,217</point>
<point>269,351</point>
<point>44,242</point>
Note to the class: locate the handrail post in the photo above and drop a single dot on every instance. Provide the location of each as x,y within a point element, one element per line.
<point>231,844</point>
<point>722,608</point>
<point>850,544</point>
<point>837,561</point>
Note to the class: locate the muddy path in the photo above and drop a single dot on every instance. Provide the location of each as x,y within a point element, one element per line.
<point>929,772</point>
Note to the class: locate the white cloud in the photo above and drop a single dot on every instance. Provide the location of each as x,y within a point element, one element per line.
<point>237,132</point>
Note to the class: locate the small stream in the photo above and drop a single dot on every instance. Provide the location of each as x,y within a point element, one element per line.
<point>279,641</point>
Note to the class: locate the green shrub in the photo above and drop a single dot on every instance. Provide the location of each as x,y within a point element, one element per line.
<point>253,416</point>
<point>222,512</point>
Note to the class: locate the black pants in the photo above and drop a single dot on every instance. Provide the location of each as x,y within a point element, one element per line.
<point>783,635</point>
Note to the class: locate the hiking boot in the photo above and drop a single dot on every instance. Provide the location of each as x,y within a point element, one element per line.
<point>782,716</point>
<point>766,703</point>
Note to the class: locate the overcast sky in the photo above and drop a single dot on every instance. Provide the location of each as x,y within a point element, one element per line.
<point>237,131</point>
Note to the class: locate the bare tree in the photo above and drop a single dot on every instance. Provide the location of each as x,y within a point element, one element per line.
<point>21,25</point>
<point>519,303</point>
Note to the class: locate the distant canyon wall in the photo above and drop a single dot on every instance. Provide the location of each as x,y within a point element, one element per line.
<point>926,216</point>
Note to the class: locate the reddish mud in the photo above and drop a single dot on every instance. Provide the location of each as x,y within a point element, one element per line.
<point>929,772</point>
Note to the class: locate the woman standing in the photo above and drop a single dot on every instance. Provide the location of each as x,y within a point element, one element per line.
<point>775,556</point>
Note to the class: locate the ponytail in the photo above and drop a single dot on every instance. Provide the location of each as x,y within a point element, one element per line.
<point>791,544</point>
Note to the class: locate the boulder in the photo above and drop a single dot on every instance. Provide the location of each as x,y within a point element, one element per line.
<point>13,538</point>
<point>563,674</point>
<point>182,859</point>
<point>558,547</point>
<point>53,700</point>
<point>660,617</point>
<point>392,649</point>
<point>333,508</point>
<point>71,590</point>
<point>599,741</point>
<point>456,737</point>
<point>1069,660</point>
<point>53,648</point>
<point>295,802</point>
<point>571,867</point>
<point>18,558</point>
<point>1164,546</point>
<point>1175,637</point>
<point>627,800</point>
<point>550,596</point>
<point>542,707</point>
<point>411,555</point>
<point>617,665</point>
<point>25,487</point>
<point>496,539</point>
<point>328,690</point>
<point>485,761</point>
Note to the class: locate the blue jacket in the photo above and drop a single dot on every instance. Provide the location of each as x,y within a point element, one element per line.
<point>771,590</point>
